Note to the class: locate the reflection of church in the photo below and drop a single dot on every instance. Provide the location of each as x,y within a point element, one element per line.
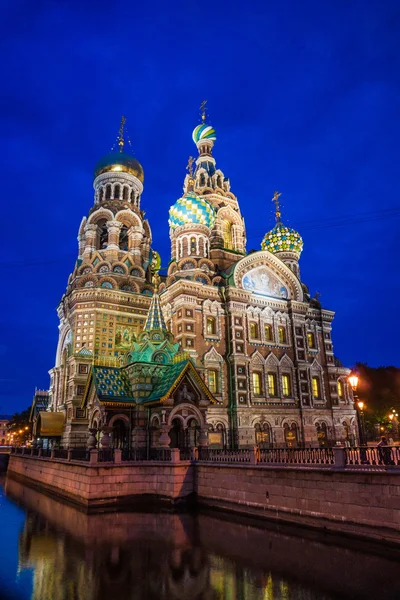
<point>226,348</point>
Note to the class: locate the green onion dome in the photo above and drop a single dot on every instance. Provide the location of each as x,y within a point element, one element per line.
<point>191,209</point>
<point>203,132</point>
<point>119,162</point>
<point>282,239</point>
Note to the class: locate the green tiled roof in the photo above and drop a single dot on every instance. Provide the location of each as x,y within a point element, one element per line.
<point>169,377</point>
<point>112,384</point>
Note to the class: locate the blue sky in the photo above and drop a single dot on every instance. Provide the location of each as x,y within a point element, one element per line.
<point>304,97</point>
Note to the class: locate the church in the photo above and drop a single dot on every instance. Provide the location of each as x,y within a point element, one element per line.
<point>225,348</point>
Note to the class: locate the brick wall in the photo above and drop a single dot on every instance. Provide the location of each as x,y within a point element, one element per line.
<point>92,486</point>
<point>338,499</point>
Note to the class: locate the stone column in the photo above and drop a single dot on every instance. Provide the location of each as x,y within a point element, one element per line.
<point>203,441</point>
<point>164,439</point>
<point>91,441</point>
<point>90,233</point>
<point>106,440</point>
<point>114,228</point>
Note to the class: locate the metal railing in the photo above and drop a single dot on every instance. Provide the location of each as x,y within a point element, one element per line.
<point>295,456</point>
<point>221,455</point>
<point>134,454</point>
<point>161,454</point>
<point>105,455</point>
<point>364,456</point>
<point>79,454</point>
<point>185,454</point>
<point>60,453</point>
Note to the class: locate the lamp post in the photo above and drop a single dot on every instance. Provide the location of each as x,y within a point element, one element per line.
<point>353,380</point>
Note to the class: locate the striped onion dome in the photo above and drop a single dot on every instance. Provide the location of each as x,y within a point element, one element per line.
<point>203,132</point>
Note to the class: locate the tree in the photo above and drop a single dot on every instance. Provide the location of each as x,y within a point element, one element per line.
<point>379,388</point>
<point>20,427</point>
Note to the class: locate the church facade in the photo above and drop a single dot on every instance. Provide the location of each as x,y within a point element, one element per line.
<point>247,353</point>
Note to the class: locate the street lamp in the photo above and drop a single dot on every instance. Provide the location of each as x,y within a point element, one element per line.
<point>353,380</point>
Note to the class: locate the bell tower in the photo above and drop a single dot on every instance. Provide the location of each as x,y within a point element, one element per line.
<point>109,290</point>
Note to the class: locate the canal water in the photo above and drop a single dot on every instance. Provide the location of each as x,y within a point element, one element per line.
<point>52,551</point>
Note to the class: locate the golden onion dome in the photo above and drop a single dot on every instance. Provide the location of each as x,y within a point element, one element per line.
<point>119,162</point>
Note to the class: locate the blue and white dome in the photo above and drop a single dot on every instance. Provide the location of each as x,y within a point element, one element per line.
<point>191,209</point>
<point>204,132</point>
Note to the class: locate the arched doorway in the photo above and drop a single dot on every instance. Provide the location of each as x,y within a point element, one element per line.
<point>120,434</point>
<point>177,434</point>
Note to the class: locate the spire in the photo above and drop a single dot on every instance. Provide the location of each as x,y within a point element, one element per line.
<point>275,200</point>
<point>121,140</point>
<point>155,317</point>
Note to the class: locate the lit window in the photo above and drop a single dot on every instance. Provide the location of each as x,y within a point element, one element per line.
<point>311,340</point>
<point>282,335</point>
<point>286,386</point>
<point>257,384</point>
<point>210,325</point>
<point>212,381</point>
<point>272,384</point>
<point>268,333</point>
<point>340,389</point>
<point>253,331</point>
<point>316,387</point>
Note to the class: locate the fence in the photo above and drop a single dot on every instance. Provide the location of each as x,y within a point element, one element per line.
<point>383,459</point>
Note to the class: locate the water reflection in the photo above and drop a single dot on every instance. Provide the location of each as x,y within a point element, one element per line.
<point>147,556</point>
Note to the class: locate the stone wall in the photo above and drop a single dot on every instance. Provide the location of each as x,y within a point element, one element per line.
<point>357,502</point>
<point>95,485</point>
<point>330,498</point>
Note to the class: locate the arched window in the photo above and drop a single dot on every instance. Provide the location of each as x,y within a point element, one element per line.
<point>108,191</point>
<point>202,180</point>
<point>117,191</point>
<point>268,332</point>
<point>340,390</point>
<point>213,381</point>
<point>103,237</point>
<point>291,435</point>
<point>193,245</point>
<point>263,435</point>
<point>253,330</point>
<point>282,335</point>
<point>101,194</point>
<point>219,181</point>
<point>311,340</point>
<point>227,235</point>
<point>124,238</point>
<point>125,193</point>
<point>286,387</point>
<point>316,387</point>
<point>211,329</point>
<point>322,435</point>
<point>272,388</point>
<point>346,430</point>
<point>257,383</point>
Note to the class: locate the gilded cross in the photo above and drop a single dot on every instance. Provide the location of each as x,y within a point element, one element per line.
<point>275,200</point>
<point>189,166</point>
<point>121,140</point>
<point>203,110</point>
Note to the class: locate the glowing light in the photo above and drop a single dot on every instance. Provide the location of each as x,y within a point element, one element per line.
<point>353,380</point>
<point>360,404</point>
